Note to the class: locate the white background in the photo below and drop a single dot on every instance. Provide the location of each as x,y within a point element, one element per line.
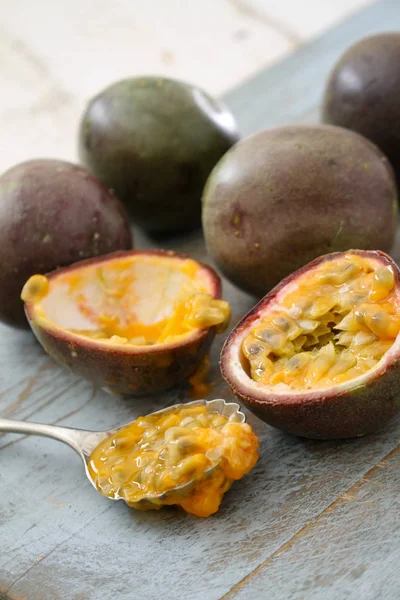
<point>56,54</point>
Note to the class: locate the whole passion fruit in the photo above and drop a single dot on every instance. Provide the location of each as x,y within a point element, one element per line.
<point>319,355</point>
<point>282,197</point>
<point>363,92</point>
<point>154,141</point>
<point>132,322</point>
<point>53,213</point>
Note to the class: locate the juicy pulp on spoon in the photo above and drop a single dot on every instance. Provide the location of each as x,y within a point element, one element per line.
<point>333,325</point>
<point>156,454</point>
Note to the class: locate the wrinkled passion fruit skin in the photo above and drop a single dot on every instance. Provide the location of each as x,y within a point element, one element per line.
<point>53,213</point>
<point>363,93</point>
<point>118,369</point>
<point>154,141</point>
<point>328,413</point>
<point>282,197</point>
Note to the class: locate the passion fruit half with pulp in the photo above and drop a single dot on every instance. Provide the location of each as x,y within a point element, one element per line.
<point>319,355</point>
<point>134,322</point>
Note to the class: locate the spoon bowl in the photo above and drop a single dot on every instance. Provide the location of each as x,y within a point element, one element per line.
<point>84,442</point>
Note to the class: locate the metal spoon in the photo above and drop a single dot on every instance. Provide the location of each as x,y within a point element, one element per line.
<point>84,442</point>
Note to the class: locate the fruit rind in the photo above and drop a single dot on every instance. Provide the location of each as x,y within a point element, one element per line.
<point>351,409</point>
<point>122,369</point>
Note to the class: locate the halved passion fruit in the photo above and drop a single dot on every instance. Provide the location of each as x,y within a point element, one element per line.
<point>319,355</point>
<point>132,322</point>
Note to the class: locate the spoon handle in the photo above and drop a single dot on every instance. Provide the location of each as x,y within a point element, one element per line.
<point>72,437</point>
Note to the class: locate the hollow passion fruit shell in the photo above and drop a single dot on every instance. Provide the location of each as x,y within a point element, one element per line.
<point>134,322</point>
<point>319,355</point>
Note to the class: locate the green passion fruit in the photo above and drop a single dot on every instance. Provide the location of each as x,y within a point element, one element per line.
<point>133,323</point>
<point>282,197</point>
<point>154,141</point>
<point>319,355</point>
<point>363,92</point>
<point>53,213</point>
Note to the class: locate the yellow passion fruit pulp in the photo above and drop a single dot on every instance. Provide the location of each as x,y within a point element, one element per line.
<point>148,462</point>
<point>335,325</point>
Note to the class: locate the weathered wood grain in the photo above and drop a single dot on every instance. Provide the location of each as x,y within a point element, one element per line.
<point>326,503</point>
<point>352,546</point>
<point>88,539</point>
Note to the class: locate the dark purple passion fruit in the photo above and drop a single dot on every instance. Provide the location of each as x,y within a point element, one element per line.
<point>282,197</point>
<point>363,93</point>
<point>319,355</point>
<point>53,213</point>
<point>133,323</point>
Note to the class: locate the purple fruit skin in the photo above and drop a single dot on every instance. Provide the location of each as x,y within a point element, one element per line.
<point>123,373</point>
<point>53,213</point>
<point>363,93</point>
<point>284,196</point>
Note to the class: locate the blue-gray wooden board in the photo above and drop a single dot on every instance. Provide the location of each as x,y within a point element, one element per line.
<point>313,520</point>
